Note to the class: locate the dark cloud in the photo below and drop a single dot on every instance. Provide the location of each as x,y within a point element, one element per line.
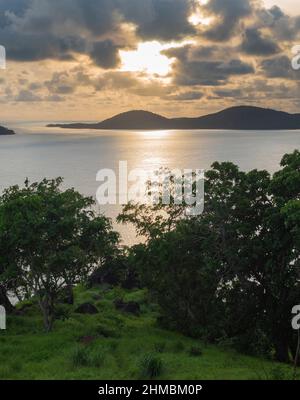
<point>276,12</point>
<point>105,54</point>
<point>17,7</point>
<point>228,15</point>
<point>239,34</point>
<point>254,43</point>
<point>210,73</point>
<point>41,29</point>
<point>279,67</point>
<point>27,96</point>
<point>281,26</point>
<point>161,19</point>
<point>196,65</point>
<point>30,47</point>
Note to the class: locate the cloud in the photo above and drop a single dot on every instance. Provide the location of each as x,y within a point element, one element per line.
<point>61,83</point>
<point>242,44</point>
<point>161,19</point>
<point>197,66</point>
<point>233,93</point>
<point>254,43</point>
<point>279,67</point>
<point>106,54</point>
<point>280,25</point>
<point>58,29</point>
<point>210,73</point>
<point>27,96</point>
<point>186,96</point>
<point>228,15</point>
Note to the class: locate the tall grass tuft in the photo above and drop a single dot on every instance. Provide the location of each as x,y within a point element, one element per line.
<point>151,366</point>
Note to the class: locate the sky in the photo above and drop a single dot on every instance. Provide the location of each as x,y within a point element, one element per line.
<point>87,60</point>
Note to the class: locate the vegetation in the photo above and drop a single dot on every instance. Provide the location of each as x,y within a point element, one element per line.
<point>232,272</point>
<point>78,347</point>
<point>50,239</point>
<point>199,290</point>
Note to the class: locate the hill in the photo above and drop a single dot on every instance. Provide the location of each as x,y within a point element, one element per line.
<point>242,117</point>
<point>113,344</point>
<point>5,131</point>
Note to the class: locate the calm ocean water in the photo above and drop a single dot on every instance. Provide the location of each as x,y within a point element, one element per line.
<point>37,152</point>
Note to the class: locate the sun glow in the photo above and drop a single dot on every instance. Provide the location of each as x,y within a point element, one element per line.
<point>198,19</point>
<point>147,58</point>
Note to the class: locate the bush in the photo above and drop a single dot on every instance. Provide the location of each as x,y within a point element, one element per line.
<point>62,312</point>
<point>178,347</point>
<point>277,374</point>
<point>160,347</point>
<point>96,358</point>
<point>107,332</point>
<point>113,346</point>
<point>151,366</point>
<point>80,357</point>
<point>196,351</point>
<point>253,343</point>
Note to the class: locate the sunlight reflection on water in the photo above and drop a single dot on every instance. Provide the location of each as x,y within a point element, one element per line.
<point>37,152</point>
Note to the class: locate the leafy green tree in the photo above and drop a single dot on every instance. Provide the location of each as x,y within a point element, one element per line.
<point>184,278</point>
<point>51,239</point>
<point>284,224</point>
<point>249,253</point>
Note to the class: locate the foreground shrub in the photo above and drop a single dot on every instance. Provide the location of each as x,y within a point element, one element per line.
<point>178,347</point>
<point>196,351</point>
<point>80,357</point>
<point>160,347</point>
<point>96,358</point>
<point>151,366</point>
<point>84,357</point>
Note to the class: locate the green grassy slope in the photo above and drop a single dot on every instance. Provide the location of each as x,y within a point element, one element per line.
<point>114,345</point>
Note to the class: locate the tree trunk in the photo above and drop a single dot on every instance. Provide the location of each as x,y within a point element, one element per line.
<point>294,346</point>
<point>69,295</point>
<point>297,355</point>
<point>4,301</point>
<point>282,351</point>
<point>47,307</point>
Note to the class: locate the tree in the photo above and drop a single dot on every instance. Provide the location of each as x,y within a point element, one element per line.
<point>167,207</point>
<point>7,279</point>
<point>250,250</point>
<point>183,277</point>
<point>52,239</point>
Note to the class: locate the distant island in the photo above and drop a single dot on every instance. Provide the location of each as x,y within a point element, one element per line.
<point>242,117</point>
<point>5,131</point>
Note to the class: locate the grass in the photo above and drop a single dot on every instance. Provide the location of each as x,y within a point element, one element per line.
<point>114,345</point>
<point>151,366</point>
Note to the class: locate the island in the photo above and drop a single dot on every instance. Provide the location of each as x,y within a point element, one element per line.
<point>5,131</point>
<point>234,118</point>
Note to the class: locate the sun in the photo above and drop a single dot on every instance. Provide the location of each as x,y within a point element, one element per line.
<point>198,18</point>
<point>147,58</point>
